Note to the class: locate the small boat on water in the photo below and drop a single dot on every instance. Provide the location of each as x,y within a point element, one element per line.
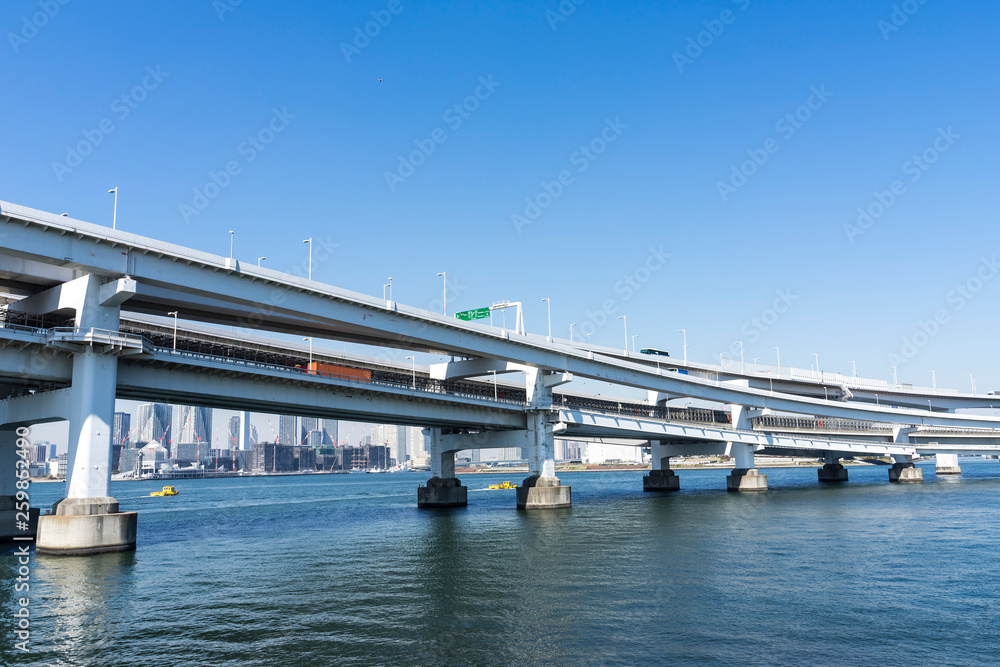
<point>166,491</point>
<point>502,485</point>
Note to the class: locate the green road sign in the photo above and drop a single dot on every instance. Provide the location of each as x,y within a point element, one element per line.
<point>477,314</point>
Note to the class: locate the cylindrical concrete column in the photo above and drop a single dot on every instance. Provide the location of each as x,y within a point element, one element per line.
<point>88,473</point>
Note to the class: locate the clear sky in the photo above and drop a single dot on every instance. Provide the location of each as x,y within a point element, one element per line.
<point>590,141</point>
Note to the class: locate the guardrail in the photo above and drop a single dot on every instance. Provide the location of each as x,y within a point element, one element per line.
<point>819,424</point>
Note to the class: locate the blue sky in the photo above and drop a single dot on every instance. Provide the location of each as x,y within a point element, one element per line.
<point>226,71</point>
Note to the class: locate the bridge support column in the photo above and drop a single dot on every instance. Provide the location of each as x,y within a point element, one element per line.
<point>88,520</point>
<point>542,489</point>
<point>661,477</point>
<point>12,525</point>
<point>903,471</point>
<point>745,476</point>
<point>833,471</point>
<point>947,464</point>
<point>443,489</point>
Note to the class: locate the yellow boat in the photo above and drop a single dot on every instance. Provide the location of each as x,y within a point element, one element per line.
<point>503,485</point>
<point>167,491</point>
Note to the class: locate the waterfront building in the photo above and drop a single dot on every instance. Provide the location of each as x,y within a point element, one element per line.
<point>234,433</point>
<point>273,457</point>
<point>192,424</point>
<point>287,430</point>
<point>306,426</point>
<point>121,429</point>
<point>330,432</point>
<point>154,423</point>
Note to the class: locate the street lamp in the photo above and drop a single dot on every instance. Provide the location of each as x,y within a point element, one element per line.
<point>310,242</point>
<point>684,331</point>
<point>571,325</point>
<point>260,259</point>
<point>590,347</point>
<point>743,365</point>
<point>494,385</point>
<point>444,293</point>
<point>855,367</point>
<point>174,313</point>
<point>973,380</point>
<point>933,381</point>
<point>413,384</point>
<point>625,322</point>
<point>389,285</point>
<point>548,309</point>
<point>634,336</point>
<point>895,382</point>
<point>232,237</point>
<point>309,338</point>
<point>114,219</point>
<point>816,356</point>
<point>778,352</point>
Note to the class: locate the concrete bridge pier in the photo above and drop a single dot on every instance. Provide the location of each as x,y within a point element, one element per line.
<point>16,520</point>
<point>542,489</point>
<point>745,477</point>
<point>88,519</point>
<point>443,489</point>
<point>661,477</point>
<point>903,471</point>
<point>833,471</point>
<point>947,464</point>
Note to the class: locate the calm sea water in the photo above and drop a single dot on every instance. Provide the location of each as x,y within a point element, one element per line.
<point>343,569</point>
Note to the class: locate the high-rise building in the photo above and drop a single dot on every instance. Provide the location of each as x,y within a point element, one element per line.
<point>253,435</point>
<point>286,430</point>
<point>329,432</point>
<point>393,438</point>
<point>38,453</point>
<point>155,423</point>
<point>306,426</point>
<point>121,430</point>
<point>315,439</point>
<point>192,424</point>
<point>234,433</point>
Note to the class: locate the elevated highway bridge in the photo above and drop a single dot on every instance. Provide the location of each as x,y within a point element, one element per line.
<point>80,329</point>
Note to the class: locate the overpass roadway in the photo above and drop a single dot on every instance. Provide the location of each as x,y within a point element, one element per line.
<point>42,250</point>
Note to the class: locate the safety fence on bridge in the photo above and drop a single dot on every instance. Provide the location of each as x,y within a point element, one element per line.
<point>819,424</point>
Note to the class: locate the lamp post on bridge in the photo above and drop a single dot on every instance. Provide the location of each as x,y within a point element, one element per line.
<point>571,325</point>
<point>854,366</point>
<point>114,218</point>
<point>444,293</point>
<point>260,259</point>
<point>895,382</point>
<point>232,239</point>
<point>309,240</point>
<point>494,385</point>
<point>743,364</point>
<point>933,381</point>
<point>174,313</point>
<point>816,356</point>
<point>413,383</point>
<point>548,309</point>
<point>778,352</point>
<point>309,338</point>
<point>973,380</point>
<point>634,336</point>
<point>684,331</point>
<point>625,322</point>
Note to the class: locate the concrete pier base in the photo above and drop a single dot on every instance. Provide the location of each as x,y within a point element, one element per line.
<point>537,493</point>
<point>746,479</point>
<point>661,480</point>
<point>905,472</point>
<point>947,464</point>
<point>442,492</point>
<point>9,520</point>
<point>81,526</point>
<point>833,473</point>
